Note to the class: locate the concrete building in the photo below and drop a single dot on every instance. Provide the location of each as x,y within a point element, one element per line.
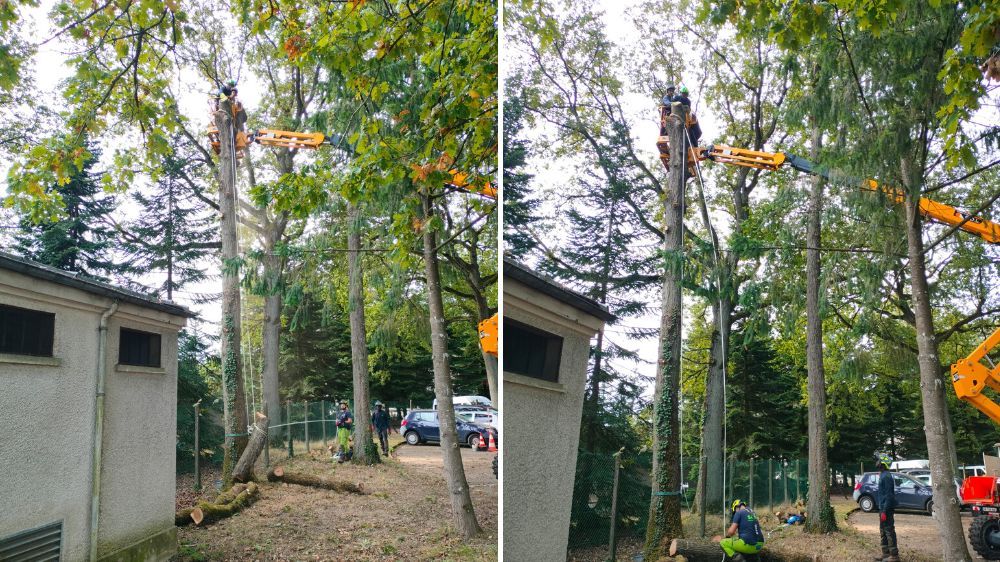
<point>62,338</point>
<point>546,347</point>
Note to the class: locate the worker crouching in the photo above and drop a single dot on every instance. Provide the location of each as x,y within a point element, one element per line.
<point>744,535</point>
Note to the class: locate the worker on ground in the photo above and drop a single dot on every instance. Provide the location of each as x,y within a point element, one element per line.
<point>345,421</point>
<point>744,535</point>
<point>380,421</point>
<point>886,498</point>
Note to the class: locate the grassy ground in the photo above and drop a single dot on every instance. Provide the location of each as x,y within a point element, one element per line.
<point>406,516</point>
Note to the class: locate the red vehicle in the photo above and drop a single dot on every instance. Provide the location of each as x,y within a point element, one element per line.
<point>982,495</point>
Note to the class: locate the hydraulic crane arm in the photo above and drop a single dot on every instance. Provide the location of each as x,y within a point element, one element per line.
<point>970,375</point>
<point>773,161</point>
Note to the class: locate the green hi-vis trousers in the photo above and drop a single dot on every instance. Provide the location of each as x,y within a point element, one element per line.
<point>732,545</point>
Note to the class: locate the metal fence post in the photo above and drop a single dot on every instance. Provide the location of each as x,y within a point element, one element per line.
<point>614,508</point>
<point>784,478</point>
<point>322,416</point>
<point>770,484</point>
<point>288,426</point>
<point>197,448</point>
<point>267,443</point>
<point>306,405</point>
<point>751,483</point>
<point>798,480</point>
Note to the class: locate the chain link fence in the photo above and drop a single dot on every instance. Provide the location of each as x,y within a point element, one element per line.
<point>765,484</point>
<point>305,428</point>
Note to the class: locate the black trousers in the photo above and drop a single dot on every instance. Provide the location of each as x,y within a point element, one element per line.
<point>887,532</point>
<point>383,440</point>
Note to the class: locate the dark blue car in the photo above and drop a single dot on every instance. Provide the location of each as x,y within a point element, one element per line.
<point>421,426</point>
<point>910,493</point>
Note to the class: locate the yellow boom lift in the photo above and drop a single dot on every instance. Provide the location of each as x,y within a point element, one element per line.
<point>970,375</point>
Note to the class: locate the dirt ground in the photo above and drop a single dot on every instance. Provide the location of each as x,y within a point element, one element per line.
<point>856,541</point>
<point>406,515</point>
<point>917,533</point>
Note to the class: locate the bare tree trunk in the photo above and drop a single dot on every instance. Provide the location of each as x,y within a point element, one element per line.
<point>665,506</point>
<point>821,517</point>
<point>233,397</point>
<point>935,409</point>
<point>710,496</point>
<point>271,342</point>
<point>462,511</point>
<point>365,451</point>
<point>243,471</point>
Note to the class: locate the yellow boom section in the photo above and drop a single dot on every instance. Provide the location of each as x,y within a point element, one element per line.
<point>488,336</point>
<point>970,377</point>
<point>288,139</point>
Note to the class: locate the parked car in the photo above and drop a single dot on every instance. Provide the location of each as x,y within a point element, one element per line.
<point>977,470</point>
<point>482,416</point>
<point>908,465</point>
<point>421,426</point>
<point>910,493</point>
<point>467,400</point>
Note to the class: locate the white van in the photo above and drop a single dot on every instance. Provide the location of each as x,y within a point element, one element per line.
<point>977,470</point>
<point>903,466</point>
<point>467,401</point>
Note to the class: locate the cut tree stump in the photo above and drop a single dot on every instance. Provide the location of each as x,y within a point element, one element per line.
<point>226,504</point>
<point>206,512</point>
<point>243,471</point>
<point>704,550</point>
<point>278,474</point>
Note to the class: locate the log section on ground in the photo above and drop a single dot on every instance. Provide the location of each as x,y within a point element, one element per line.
<point>279,474</point>
<point>704,550</point>
<point>228,503</point>
<point>243,471</point>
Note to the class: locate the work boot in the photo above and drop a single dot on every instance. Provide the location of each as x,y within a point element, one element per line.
<point>892,558</point>
<point>884,556</point>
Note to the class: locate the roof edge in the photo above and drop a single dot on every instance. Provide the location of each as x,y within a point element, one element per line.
<point>554,289</point>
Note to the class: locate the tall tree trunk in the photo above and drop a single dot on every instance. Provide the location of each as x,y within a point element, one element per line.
<point>462,511</point>
<point>595,391</point>
<point>821,517</point>
<point>233,396</point>
<point>270,347</point>
<point>665,505</point>
<point>710,495</point>
<point>364,449</point>
<point>934,407</point>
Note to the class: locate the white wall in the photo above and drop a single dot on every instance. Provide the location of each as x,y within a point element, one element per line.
<point>47,420</point>
<point>541,431</point>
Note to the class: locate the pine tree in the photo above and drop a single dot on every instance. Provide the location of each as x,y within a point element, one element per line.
<point>177,229</point>
<point>80,241</point>
<point>517,205</point>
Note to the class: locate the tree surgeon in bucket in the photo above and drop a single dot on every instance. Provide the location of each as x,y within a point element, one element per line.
<point>886,498</point>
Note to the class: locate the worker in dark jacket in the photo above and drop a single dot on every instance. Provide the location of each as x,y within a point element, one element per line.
<point>886,498</point>
<point>380,421</point>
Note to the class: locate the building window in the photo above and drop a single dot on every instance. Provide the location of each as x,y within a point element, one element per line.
<point>531,352</point>
<point>26,332</point>
<point>139,348</point>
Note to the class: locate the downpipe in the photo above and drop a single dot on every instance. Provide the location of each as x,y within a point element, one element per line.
<point>95,490</point>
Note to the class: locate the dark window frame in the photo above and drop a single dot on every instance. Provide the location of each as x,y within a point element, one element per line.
<point>26,331</point>
<point>538,353</point>
<point>138,348</point>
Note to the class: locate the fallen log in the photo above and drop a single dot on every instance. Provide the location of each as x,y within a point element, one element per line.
<point>704,550</point>
<point>206,512</point>
<point>243,471</point>
<point>278,474</point>
<point>183,516</point>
